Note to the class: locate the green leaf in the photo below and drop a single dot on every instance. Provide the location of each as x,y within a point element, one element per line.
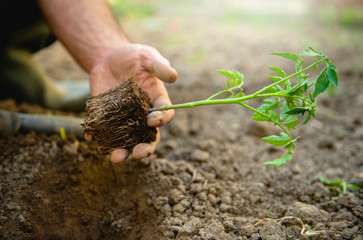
<point>309,116</point>
<point>239,94</point>
<point>283,110</point>
<point>280,161</point>
<point>326,80</point>
<point>277,140</point>
<point>291,122</point>
<point>275,78</point>
<point>269,104</point>
<point>235,76</point>
<point>287,55</point>
<point>268,116</point>
<point>290,146</point>
<point>332,75</point>
<point>322,83</point>
<point>239,75</point>
<point>278,71</point>
<point>260,117</point>
<point>316,66</point>
<point>274,89</point>
<point>228,73</point>
<point>297,110</point>
<point>227,84</point>
<point>309,52</point>
<point>299,88</point>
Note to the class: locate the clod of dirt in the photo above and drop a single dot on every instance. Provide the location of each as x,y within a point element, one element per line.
<point>117,118</point>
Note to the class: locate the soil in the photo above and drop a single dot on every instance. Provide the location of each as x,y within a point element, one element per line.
<point>206,179</point>
<point>117,118</point>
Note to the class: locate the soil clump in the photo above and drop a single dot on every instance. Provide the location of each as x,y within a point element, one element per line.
<point>117,118</point>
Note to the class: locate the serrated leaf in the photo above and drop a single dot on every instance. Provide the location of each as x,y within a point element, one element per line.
<point>287,55</point>
<point>260,117</point>
<point>269,104</point>
<point>291,122</point>
<point>283,110</point>
<point>268,116</point>
<point>309,52</point>
<point>280,161</point>
<point>278,71</point>
<point>277,140</point>
<point>235,76</point>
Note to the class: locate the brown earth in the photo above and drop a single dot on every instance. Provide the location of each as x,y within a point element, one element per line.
<point>206,179</point>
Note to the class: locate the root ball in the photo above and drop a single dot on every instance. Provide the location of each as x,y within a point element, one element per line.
<point>117,118</point>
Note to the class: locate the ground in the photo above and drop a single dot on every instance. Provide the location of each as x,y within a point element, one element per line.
<point>206,179</point>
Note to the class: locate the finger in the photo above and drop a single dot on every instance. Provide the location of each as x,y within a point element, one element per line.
<point>160,66</point>
<point>119,155</point>
<point>88,137</point>
<point>160,118</point>
<point>143,150</point>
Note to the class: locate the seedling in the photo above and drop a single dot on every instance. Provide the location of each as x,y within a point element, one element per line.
<point>338,185</point>
<point>283,100</point>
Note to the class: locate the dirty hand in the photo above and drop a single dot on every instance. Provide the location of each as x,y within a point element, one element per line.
<point>148,69</point>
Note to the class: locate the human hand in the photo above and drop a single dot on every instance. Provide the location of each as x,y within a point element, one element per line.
<point>149,70</point>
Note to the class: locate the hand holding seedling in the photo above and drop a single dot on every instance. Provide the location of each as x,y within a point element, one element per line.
<point>283,99</point>
<point>148,69</point>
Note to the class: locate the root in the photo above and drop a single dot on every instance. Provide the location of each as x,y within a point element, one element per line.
<point>117,118</point>
<point>305,229</point>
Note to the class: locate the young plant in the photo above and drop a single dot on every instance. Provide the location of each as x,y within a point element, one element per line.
<point>338,185</point>
<point>283,100</point>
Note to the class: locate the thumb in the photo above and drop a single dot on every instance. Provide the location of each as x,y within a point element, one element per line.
<point>162,69</point>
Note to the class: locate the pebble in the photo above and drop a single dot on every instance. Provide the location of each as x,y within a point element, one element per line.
<point>199,156</point>
<point>191,226</point>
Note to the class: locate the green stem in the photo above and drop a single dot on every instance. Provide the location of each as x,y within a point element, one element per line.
<point>215,102</point>
<point>211,101</point>
<point>289,77</point>
<point>265,115</point>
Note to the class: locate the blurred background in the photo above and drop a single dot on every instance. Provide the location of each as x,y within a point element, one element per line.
<point>200,37</point>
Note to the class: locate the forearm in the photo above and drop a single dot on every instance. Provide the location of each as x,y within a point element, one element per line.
<point>87,28</point>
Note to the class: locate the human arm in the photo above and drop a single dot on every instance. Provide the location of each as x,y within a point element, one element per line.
<point>91,34</point>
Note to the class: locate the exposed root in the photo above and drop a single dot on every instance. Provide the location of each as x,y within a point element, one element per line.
<point>117,118</point>
<point>305,229</point>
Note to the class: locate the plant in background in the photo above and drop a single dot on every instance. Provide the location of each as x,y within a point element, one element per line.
<point>338,185</point>
<point>283,100</point>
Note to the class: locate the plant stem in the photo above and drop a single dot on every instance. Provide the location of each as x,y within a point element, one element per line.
<point>261,113</point>
<point>287,78</point>
<point>211,101</point>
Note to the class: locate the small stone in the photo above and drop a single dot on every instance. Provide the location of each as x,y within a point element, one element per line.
<point>191,226</point>
<point>307,213</point>
<point>199,156</point>
<point>175,196</point>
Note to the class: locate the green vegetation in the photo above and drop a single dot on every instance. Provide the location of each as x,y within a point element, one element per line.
<point>283,100</point>
<point>338,185</point>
